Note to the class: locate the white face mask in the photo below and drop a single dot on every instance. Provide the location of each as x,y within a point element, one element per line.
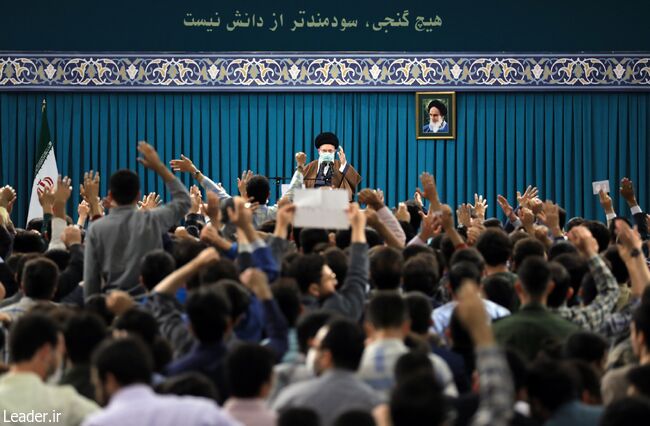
<point>310,361</point>
<point>326,157</point>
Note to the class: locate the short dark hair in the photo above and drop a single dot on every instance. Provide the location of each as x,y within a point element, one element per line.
<point>248,367</point>
<point>28,242</point>
<point>418,401</point>
<point>306,269</point>
<point>577,267</point>
<point>308,326</point>
<point>414,250</point>
<point>355,418</point>
<point>239,299</point>
<point>156,265</point>
<point>461,271</point>
<point>629,411</point>
<point>40,278</point>
<point>190,384</point>
<point>127,359</point>
<point>495,246</point>
<point>421,274</point>
<point>561,248</point>
<point>124,186</point>
<point>259,189</point>
<point>209,312</point>
<point>287,295</point>
<point>552,383</point>
<point>600,233</point>
<point>534,275</point>
<point>336,259</point>
<point>562,280</point>
<point>310,237</point>
<point>617,266</point>
<point>419,309</point>
<point>641,320</point>
<point>470,255</point>
<point>83,332</point>
<point>525,248</point>
<point>59,256</point>
<point>387,309</point>
<point>345,341</point>
<point>386,265</point>
<point>140,323</point>
<point>639,377</point>
<point>586,346</point>
<point>221,269</point>
<point>499,289</point>
<point>30,333</point>
<point>586,378</point>
<point>298,417</point>
<point>412,363</point>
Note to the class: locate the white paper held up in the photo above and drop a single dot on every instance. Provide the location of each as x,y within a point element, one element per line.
<point>321,208</point>
<point>600,184</point>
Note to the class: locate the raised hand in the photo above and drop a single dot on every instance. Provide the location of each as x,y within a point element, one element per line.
<point>628,241</point>
<point>371,198</point>
<point>197,199</point>
<point>212,209</point>
<point>357,217</point>
<point>183,164</point>
<point>150,201</point>
<point>46,198</point>
<point>586,244</point>
<point>257,282</point>
<point>627,192</point>
<point>149,157</point>
<point>89,191</point>
<point>430,190</point>
<point>342,157</point>
<point>71,235</point>
<point>7,197</point>
<point>464,215</point>
<point>529,194</point>
<point>506,207</point>
<point>480,206</point>
<point>240,215</point>
<point>431,225</point>
<point>551,216</point>
<point>605,202</point>
<point>246,176</point>
<point>402,213</point>
<point>527,218</point>
<point>63,190</point>
<point>472,314</point>
<point>301,159</point>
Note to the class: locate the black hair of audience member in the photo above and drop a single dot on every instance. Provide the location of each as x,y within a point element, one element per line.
<point>22,261</point>
<point>534,275</point>
<point>345,342</point>
<point>493,222</point>
<point>629,411</point>
<point>409,232</point>
<point>561,248</point>
<point>40,278</point>
<point>461,342</point>
<point>600,233</point>
<point>415,249</point>
<point>551,384</point>
<point>298,417</point>
<point>387,309</point>
<point>310,237</point>
<point>499,290</point>
<point>97,304</point>
<point>575,221</point>
<point>645,296</point>
<point>525,248</point>
<point>127,359</point>
<point>8,280</point>
<point>442,265</point>
<point>436,242</point>
<point>577,267</point>
<point>411,364</point>
<point>249,367</point>
<point>517,236</point>
<point>287,295</point>
<point>238,298</point>
<point>414,210</point>
<point>418,401</point>
<point>308,326</point>
<point>420,273</point>
<point>30,333</point>
<point>320,248</point>
<point>28,242</point>
<point>337,260</point>
<point>562,217</point>
<point>141,323</point>
<point>386,265</point>
<point>641,321</point>
<point>639,377</point>
<point>587,382</point>
<point>447,249</point>
<point>224,205</point>
<point>470,255</point>
<point>355,418</point>
<point>307,269</point>
<point>35,224</point>
<point>562,283</point>
<point>83,332</point>
<point>267,226</point>
<point>588,290</point>
<point>124,187</point>
<point>189,384</point>
<point>419,311</point>
<point>343,238</point>
<point>617,265</point>
<point>185,250</point>
<point>12,262</point>
<point>222,269</point>
<point>462,231</point>
<point>461,271</point>
<point>517,366</point>
<point>156,265</point>
<point>495,246</point>
<point>209,314</point>
<point>259,189</point>
<point>58,256</point>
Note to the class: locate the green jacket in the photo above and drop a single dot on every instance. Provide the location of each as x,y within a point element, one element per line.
<point>532,328</point>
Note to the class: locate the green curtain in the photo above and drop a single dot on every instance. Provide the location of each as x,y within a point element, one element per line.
<point>560,142</point>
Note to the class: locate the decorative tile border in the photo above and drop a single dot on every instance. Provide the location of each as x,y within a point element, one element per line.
<point>330,72</point>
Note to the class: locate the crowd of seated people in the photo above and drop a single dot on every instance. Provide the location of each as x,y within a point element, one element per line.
<point>212,309</point>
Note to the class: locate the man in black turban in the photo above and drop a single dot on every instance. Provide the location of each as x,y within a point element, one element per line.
<point>437,114</point>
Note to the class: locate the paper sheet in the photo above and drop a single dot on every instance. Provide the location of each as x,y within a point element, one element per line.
<point>321,208</point>
<point>600,184</point>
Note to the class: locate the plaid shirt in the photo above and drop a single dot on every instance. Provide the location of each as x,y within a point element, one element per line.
<point>496,388</point>
<point>618,323</point>
<point>593,316</point>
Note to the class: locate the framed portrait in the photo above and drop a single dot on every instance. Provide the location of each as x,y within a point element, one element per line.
<point>436,115</point>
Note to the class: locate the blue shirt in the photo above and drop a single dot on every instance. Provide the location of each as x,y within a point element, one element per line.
<point>442,316</point>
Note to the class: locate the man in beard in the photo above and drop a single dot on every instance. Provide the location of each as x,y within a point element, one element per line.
<point>437,113</point>
<point>36,346</point>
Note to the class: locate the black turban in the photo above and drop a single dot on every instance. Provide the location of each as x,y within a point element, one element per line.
<point>326,138</point>
<point>441,107</point>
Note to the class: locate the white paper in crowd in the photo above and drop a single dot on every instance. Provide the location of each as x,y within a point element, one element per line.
<point>284,188</point>
<point>600,184</point>
<point>321,208</point>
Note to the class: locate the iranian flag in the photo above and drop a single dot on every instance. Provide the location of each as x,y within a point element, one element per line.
<point>45,173</point>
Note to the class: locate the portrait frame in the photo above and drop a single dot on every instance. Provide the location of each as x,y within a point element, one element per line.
<point>422,99</point>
